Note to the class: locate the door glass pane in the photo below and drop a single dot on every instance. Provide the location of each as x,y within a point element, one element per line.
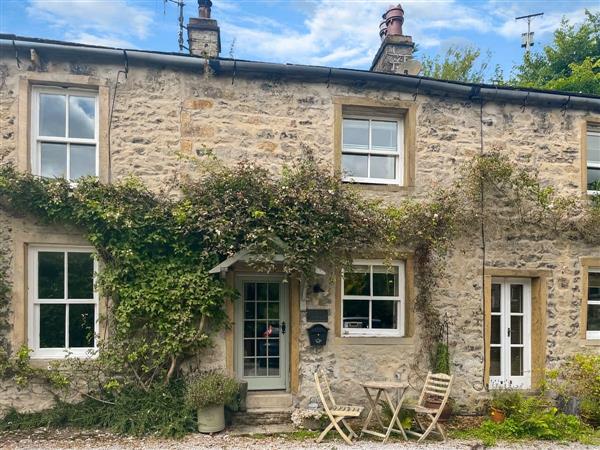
<point>516,329</point>
<point>273,367</point>
<point>51,275</point>
<point>495,365</point>
<point>385,281</point>
<point>495,330</point>
<point>52,326</point>
<point>249,291</point>
<point>249,347</point>
<point>356,134</point>
<point>249,367</point>
<point>593,318</point>
<point>384,136</point>
<point>383,167</point>
<point>82,112</point>
<point>593,147</point>
<point>357,282</point>
<point>274,292</point>
<point>52,115</point>
<point>385,314</point>
<point>83,161</point>
<point>261,367</point>
<point>261,310</point>
<point>81,275</point>
<point>496,295</point>
<point>273,347</point>
<point>81,325</point>
<point>261,347</point>
<point>261,292</point>
<point>516,298</point>
<point>355,165</point>
<point>261,328</point>
<point>516,361</point>
<point>249,310</point>
<point>356,314</point>
<point>273,311</point>
<point>53,160</point>
<point>593,179</point>
<point>249,329</point>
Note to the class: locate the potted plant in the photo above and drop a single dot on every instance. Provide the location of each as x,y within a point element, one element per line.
<point>208,393</point>
<point>441,364</point>
<point>504,402</point>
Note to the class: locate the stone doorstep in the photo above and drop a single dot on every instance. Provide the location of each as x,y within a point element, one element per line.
<point>271,400</point>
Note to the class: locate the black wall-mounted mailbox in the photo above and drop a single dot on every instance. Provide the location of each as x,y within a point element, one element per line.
<point>317,335</point>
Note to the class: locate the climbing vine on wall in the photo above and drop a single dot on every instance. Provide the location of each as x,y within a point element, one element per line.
<point>157,247</point>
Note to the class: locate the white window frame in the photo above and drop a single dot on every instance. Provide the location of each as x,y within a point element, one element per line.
<point>36,139</point>
<point>398,154</point>
<point>590,164</point>
<point>33,302</point>
<point>400,300</point>
<point>592,335</point>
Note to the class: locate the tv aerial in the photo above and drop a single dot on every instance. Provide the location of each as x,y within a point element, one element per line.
<point>527,38</point>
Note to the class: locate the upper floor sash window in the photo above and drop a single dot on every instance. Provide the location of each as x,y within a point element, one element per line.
<point>372,150</point>
<point>64,132</point>
<point>593,159</point>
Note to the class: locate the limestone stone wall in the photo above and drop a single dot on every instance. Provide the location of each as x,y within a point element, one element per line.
<point>165,118</point>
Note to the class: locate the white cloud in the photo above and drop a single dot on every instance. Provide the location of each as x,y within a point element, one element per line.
<point>346,33</point>
<point>546,24</point>
<point>101,22</point>
<point>86,38</point>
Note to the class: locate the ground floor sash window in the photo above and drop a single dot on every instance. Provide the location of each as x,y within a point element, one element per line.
<point>63,302</point>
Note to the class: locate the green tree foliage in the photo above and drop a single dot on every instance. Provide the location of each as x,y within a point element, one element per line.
<point>571,62</point>
<point>458,64</point>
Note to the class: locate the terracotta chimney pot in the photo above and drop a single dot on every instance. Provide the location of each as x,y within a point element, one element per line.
<point>204,8</point>
<point>394,18</point>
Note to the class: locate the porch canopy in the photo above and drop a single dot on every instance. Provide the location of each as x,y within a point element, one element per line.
<point>246,255</point>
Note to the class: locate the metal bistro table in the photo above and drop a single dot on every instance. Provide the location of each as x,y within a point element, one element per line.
<point>380,388</point>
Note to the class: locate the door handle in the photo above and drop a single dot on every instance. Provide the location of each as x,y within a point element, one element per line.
<point>508,332</point>
<point>282,327</point>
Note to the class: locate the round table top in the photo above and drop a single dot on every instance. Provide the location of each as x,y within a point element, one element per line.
<point>384,384</point>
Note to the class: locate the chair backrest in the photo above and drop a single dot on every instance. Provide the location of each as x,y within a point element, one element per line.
<point>323,389</point>
<point>437,388</point>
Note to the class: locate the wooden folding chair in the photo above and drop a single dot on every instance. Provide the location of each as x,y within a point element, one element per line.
<point>337,413</point>
<point>437,388</point>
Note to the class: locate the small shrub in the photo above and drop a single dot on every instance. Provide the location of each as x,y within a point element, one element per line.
<point>159,411</point>
<point>507,400</point>
<point>528,418</point>
<point>210,388</point>
<point>441,360</point>
<point>579,377</point>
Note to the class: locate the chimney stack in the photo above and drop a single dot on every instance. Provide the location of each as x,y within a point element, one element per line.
<point>204,36</point>
<point>396,50</point>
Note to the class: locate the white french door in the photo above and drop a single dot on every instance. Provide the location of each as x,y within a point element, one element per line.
<point>510,343</point>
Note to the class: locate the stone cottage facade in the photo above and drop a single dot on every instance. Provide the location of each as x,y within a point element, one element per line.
<point>71,110</point>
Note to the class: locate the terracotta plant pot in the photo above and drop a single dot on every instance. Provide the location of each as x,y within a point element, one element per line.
<point>497,415</point>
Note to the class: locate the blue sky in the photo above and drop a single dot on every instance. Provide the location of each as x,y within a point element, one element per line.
<point>336,33</point>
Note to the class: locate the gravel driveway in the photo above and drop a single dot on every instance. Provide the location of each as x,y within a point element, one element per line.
<point>68,439</point>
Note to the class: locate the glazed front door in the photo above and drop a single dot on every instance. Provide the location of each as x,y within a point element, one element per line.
<point>510,344</point>
<point>262,330</point>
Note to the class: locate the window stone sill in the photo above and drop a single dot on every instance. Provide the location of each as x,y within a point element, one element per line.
<point>374,340</point>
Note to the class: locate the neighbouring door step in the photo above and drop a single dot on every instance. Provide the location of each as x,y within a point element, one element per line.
<point>269,400</point>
